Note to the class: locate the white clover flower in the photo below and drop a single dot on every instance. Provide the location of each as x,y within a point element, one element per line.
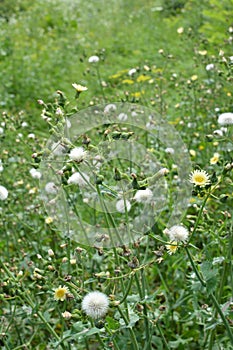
<point>80,179</point>
<point>95,304</point>
<point>177,233</point>
<point>3,193</point>
<point>132,72</point>
<point>93,59</point>
<point>122,117</point>
<point>121,205</point>
<point>110,108</point>
<point>225,118</point>
<point>51,188</point>
<point>209,66</point>
<point>77,154</point>
<point>35,173</point>
<point>143,196</point>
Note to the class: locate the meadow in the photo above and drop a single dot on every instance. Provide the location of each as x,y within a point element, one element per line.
<point>116,186</point>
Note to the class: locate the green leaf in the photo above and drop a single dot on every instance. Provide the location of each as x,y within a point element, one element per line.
<point>210,276</point>
<point>112,324</point>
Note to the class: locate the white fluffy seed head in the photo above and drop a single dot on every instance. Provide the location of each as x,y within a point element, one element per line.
<point>35,173</point>
<point>77,154</point>
<point>80,179</point>
<point>50,187</point>
<point>143,196</point>
<point>177,233</point>
<point>225,118</point>
<point>122,205</point>
<point>93,59</point>
<point>95,304</point>
<point>3,193</point>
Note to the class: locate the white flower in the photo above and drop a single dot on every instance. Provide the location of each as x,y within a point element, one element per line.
<point>1,131</point>
<point>177,233</point>
<point>121,205</point>
<point>143,196</point>
<point>35,173</point>
<point>132,71</point>
<point>31,136</point>
<point>199,178</point>
<point>3,193</point>
<point>80,179</point>
<point>95,304</point>
<point>1,167</point>
<point>170,150</point>
<point>77,154</point>
<point>218,132</point>
<point>209,66</point>
<point>58,149</point>
<point>110,108</point>
<point>24,124</point>
<point>50,187</point>
<point>50,252</point>
<point>225,118</point>
<point>122,117</point>
<point>93,59</point>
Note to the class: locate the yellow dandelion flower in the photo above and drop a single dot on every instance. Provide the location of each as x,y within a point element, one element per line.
<point>142,78</point>
<point>60,293</point>
<point>79,88</point>
<point>137,94</point>
<point>199,178</point>
<point>127,81</point>
<point>215,158</point>
<point>172,247</point>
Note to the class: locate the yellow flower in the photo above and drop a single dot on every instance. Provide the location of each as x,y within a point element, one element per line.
<point>172,247</point>
<point>215,158</point>
<point>137,94</point>
<point>142,78</point>
<point>60,293</point>
<point>192,152</point>
<point>202,52</point>
<point>199,178</point>
<point>194,77</point>
<point>79,88</point>
<point>127,81</point>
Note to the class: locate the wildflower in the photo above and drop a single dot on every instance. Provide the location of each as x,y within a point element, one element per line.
<point>93,59</point>
<point>31,136</point>
<point>95,304</point>
<point>3,193</point>
<point>202,52</point>
<point>50,252</point>
<point>127,81</point>
<point>225,118</point>
<point>1,167</point>
<point>24,124</point>
<point>215,158</point>
<point>60,293</point>
<point>209,66</point>
<point>79,88</point>
<point>132,72</point>
<point>194,77</point>
<point>51,188</point>
<point>142,78</point>
<point>172,247</point>
<point>192,152</point>
<point>177,233</point>
<point>170,150</point>
<point>180,30</point>
<point>110,108</point>
<point>1,131</point>
<point>58,149</point>
<point>122,205</point>
<point>143,196</point>
<point>48,220</point>
<point>122,117</point>
<point>67,315</point>
<point>80,179</point>
<point>35,173</point>
<point>77,154</point>
<point>59,112</point>
<point>199,178</point>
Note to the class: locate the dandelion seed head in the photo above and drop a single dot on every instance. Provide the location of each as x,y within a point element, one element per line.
<point>3,193</point>
<point>143,196</point>
<point>122,205</point>
<point>177,233</point>
<point>225,118</point>
<point>77,154</point>
<point>80,179</point>
<point>95,304</point>
<point>51,188</point>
